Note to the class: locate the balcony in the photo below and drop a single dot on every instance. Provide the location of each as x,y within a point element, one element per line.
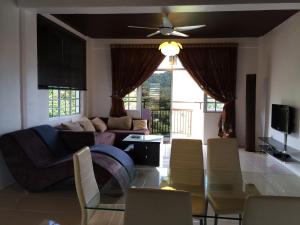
<point>176,121</point>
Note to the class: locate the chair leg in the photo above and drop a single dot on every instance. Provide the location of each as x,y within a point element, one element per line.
<point>201,221</point>
<point>205,211</point>
<point>216,219</point>
<point>240,217</point>
<point>84,216</point>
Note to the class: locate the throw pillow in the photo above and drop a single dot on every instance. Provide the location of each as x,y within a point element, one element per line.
<point>99,124</point>
<point>86,124</point>
<point>139,124</point>
<point>120,123</point>
<point>74,126</point>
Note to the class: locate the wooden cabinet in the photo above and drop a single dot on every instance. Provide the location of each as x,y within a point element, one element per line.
<point>145,149</point>
<point>145,153</point>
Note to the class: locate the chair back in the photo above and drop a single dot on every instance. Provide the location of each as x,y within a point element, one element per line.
<point>86,185</point>
<point>223,163</point>
<point>271,210</point>
<point>186,167</point>
<point>223,154</point>
<point>159,207</point>
<point>186,153</point>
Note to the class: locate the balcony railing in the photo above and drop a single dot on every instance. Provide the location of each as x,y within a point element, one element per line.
<point>160,123</point>
<point>175,121</point>
<point>182,121</point>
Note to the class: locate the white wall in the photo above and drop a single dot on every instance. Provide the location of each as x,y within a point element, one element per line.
<point>10,110</point>
<point>100,63</point>
<point>282,69</point>
<point>35,102</point>
<point>100,69</point>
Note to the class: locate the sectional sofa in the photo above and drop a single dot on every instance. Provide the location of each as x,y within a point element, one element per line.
<point>41,156</point>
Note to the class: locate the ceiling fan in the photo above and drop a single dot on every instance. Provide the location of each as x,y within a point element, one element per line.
<point>168,29</point>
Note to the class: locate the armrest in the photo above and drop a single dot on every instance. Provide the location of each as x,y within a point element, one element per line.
<point>76,140</point>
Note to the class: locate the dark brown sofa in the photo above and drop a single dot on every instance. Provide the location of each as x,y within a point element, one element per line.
<point>110,137</point>
<point>119,135</point>
<point>41,156</point>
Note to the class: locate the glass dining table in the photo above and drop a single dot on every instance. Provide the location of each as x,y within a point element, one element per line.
<point>219,186</point>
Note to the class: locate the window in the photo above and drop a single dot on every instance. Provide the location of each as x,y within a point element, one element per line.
<point>130,100</point>
<point>63,103</point>
<point>211,105</point>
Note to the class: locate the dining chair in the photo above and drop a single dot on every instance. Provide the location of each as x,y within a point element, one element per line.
<point>271,210</point>
<point>187,155</point>
<point>160,207</point>
<point>87,188</point>
<point>225,177</point>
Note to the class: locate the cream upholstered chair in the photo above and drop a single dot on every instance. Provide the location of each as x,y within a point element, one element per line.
<point>224,175</point>
<point>87,188</point>
<point>187,154</point>
<point>160,207</point>
<point>272,210</point>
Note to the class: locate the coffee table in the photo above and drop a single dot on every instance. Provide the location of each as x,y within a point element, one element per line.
<point>145,148</point>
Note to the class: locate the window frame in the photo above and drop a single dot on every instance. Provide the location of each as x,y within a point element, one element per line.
<point>215,102</point>
<point>127,100</point>
<point>63,100</point>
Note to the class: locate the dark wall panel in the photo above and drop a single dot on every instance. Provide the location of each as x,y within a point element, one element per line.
<point>250,111</point>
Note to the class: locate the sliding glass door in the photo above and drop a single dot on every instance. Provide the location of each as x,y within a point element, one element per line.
<point>156,96</point>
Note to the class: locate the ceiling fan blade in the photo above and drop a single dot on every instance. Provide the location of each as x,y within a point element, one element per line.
<point>176,33</point>
<point>155,33</point>
<point>149,28</point>
<point>186,28</point>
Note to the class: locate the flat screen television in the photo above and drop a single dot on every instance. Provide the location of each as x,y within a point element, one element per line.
<point>283,118</point>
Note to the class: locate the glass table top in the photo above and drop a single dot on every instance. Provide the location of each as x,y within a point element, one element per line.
<point>220,184</point>
<point>143,138</point>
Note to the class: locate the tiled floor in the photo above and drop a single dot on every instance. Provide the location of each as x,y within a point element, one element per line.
<point>60,206</point>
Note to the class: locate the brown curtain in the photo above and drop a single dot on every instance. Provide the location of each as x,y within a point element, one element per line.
<point>213,67</point>
<point>131,66</point>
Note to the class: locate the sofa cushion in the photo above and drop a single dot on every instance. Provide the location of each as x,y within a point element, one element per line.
<point>107,138</point>
<point>74,126</point>
<point>52,140</point>
<point>86,124</point>
<point>99,124</point>
<point>120,123</point>
<point>139,124</point>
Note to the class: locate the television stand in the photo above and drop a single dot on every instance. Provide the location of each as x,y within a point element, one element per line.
<point>278,149</point>
<point>283,156</point>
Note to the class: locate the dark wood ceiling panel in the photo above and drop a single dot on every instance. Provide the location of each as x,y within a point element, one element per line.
<point>218,24</point>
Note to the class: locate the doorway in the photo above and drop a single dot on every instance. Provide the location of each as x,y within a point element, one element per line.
<point>175,101</point>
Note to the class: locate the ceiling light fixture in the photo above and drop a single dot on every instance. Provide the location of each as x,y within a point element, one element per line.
<point>170,48</point>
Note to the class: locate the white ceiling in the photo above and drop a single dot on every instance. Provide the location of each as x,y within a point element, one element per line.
<point>149,6</point>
